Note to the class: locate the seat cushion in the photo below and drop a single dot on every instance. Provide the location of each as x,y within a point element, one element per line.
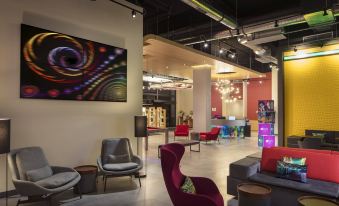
<point>317,187</point>
<point>57,180</point>
<point>181,134</point>
<point>120,166</point>
<point>244,168</point>
<point>39,174</point>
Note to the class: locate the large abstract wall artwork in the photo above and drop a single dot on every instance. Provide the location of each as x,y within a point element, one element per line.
<point>59,66</point>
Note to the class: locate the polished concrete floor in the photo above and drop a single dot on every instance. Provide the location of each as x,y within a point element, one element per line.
<point>212,162</point>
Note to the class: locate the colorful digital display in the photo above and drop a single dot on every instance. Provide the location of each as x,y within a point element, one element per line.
<point>266,118</point>
<point>268,141</point>
<point>266,129</point>
<point>59,66</point>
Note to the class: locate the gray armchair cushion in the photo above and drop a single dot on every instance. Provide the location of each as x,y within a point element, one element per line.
<point>57,180</point>
<point>115,147</point>
<point>112,159</point>
<point>39,174</point>
<point>120,166</point>
<point>29,159</point>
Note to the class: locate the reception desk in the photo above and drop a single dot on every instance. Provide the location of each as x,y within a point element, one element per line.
<point>230,128</point>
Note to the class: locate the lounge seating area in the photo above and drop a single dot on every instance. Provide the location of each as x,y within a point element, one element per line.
<point>322,175</point>
<point>169,103</point>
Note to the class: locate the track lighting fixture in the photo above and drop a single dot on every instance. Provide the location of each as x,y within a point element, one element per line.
<point>242,40</point>
<point>325,12</point>
<point>134,13</point>
<point>276,23</point>
<point>271,66</point>
<point>221,51</point>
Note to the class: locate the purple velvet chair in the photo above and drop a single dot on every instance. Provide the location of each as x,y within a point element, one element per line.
<point>207,193</point>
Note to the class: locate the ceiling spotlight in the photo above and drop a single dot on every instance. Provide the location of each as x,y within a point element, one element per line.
<point>232,55</point>
<point>325,12</point>
<point>271,66</point>
<point>295,49</point>
<point>260,82</point>
<point>205,45</point>
<point>134,13</point>
<point>221,51</point>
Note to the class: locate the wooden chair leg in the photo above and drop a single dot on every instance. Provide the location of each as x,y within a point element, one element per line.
<point>139,181</point>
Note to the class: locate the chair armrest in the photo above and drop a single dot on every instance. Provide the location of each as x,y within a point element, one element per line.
<point>99,163</point>
<point>57,169</point>
<point>138,160</point>
<point>204,185</point>
<point>27,188</point>
<point>203,133</point>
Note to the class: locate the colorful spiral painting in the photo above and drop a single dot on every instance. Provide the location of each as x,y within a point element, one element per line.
<point>59,66</point>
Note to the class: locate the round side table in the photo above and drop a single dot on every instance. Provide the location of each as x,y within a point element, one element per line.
<point>316,201</point>
<point>88,182</point>
<point>254,194</point>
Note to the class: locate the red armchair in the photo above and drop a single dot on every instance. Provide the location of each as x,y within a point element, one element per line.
<point>207,193</point>
<point>181,131</point>
<point>212,135</point>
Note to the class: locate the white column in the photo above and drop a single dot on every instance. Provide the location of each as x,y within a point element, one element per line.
<point>202,99</point>
<point>275,97</point>
<point>244,99</point>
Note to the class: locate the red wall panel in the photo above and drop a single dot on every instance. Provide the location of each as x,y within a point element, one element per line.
<point>216,101</point>
<point>257,91</point>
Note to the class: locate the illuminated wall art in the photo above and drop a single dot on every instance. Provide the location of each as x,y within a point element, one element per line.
<point>59,66</point>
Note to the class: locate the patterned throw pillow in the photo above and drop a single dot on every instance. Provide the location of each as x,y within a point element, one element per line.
<point>188,186</point>
<point>294,160</point>
<point>292,171</point>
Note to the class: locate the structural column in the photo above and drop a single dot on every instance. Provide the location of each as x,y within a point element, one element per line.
<point>202,99</point>
<point>244,99</point>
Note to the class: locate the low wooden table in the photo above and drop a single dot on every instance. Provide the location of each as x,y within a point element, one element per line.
<point>316,201</point>
<point>185,143</point>
<point>254,194</point>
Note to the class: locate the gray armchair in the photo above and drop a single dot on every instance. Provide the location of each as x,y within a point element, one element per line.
<point>33,177</point>
<point>117,159</point>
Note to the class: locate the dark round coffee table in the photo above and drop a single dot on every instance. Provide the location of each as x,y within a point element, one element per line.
<point>254,194</point>
<point>316,201</point>
<point>88,180</point>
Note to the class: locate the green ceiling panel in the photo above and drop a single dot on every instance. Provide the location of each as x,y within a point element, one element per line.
<point>318,17</point>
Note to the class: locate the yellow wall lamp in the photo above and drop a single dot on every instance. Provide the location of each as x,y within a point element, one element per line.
<point>310,55</point>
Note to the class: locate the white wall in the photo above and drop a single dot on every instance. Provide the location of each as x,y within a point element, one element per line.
<point>70,132</point>
<point>184,100</point>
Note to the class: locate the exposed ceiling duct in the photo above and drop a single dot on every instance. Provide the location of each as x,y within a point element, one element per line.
<point>210,11</point>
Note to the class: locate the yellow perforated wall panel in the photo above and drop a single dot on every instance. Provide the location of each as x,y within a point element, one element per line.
<point>311,93</point>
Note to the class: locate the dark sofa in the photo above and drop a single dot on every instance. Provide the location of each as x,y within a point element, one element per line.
<point>323,175</point>
<point>311,140</point>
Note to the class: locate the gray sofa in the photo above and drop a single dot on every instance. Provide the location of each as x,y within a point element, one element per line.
<point>284,192</point>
